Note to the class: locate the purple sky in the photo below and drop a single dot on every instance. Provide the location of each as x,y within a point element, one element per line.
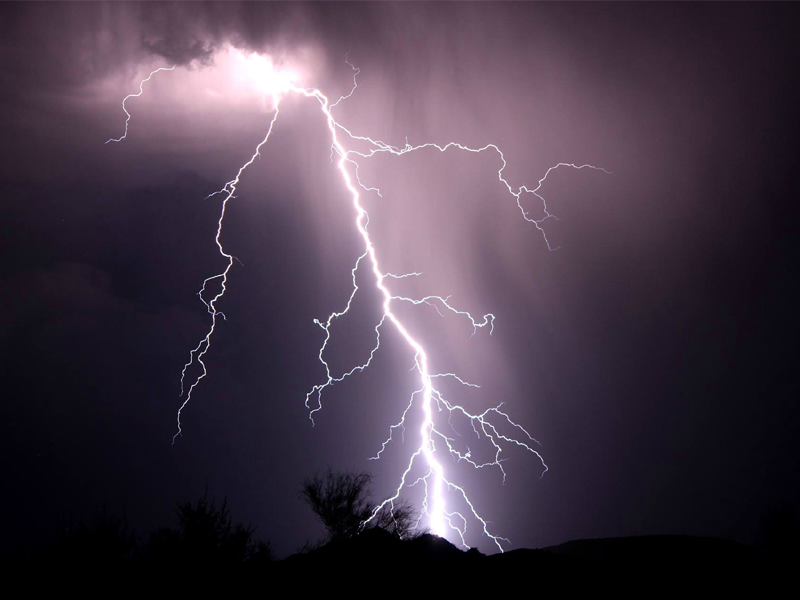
<point>652,354</point>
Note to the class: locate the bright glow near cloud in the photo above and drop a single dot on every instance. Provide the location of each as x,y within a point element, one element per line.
<point>261,70</point>
<point>234,79</point>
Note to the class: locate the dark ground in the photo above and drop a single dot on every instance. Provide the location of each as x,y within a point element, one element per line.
<point>107,552</point>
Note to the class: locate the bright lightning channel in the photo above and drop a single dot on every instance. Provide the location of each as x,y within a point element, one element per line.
<point>485,425</point>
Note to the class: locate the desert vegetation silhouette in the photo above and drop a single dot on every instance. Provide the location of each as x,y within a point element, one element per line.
<point>342,501</point>
<point>207,543</point>
<point>205,537</point>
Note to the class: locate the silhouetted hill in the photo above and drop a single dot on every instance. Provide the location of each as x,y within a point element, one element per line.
<point>665,549</point>
<point>644,563</point>
<point>379,561</point>
<point>375,546</point>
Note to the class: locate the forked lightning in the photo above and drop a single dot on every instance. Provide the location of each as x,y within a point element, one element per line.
<point>435,410</point>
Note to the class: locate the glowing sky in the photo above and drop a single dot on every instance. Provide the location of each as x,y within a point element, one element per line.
<point>650,354</point>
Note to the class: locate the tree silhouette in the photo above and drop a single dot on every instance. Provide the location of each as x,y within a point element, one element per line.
<point>343,503</point>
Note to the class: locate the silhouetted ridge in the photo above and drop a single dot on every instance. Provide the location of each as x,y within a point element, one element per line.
<point>636,559</point>
<point>670,549</point>
<point>376,546</point>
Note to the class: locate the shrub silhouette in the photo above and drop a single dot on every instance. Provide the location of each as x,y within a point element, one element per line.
<point>343,503</point>
<point>206,535</point>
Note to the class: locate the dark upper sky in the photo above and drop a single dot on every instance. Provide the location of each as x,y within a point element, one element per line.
<point>653,354</point>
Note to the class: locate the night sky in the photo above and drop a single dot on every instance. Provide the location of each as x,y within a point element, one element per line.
<point>653,354</point>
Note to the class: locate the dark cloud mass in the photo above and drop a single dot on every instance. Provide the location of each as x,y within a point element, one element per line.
<point>653,354</point>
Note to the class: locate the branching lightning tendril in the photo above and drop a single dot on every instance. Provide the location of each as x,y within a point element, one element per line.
<point>125,99</point>
<point>488,425</point>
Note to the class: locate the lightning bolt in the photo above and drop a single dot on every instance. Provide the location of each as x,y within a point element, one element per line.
<point>126,98</point>
<point>492,425</point>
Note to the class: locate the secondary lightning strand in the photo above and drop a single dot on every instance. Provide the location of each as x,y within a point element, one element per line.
<point>126,98</point>
<point>205,344</point>
<point>380,147</point>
